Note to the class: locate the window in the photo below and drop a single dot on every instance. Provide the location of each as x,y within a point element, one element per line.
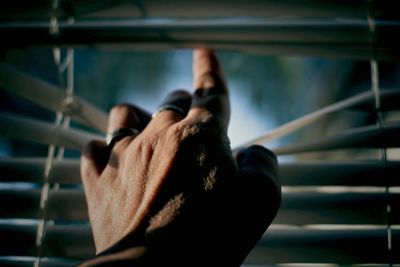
<point>316,81</point>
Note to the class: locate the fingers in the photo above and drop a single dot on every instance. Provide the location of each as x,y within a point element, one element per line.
<point>180,98</point>
<point>209,102</point>
<point>211,95</point>
<point>96,154</point>
<point>127,116</point>
<point>173,108</point>
<point>207,73</point>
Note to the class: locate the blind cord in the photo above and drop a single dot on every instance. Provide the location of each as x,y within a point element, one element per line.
<point>378,115</point>
<point>62,120</point>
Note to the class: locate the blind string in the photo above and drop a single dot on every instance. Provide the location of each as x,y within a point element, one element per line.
<point>68,67</point>
<point>41,229</point>
<point>378,115</point>
<point>61,121</point>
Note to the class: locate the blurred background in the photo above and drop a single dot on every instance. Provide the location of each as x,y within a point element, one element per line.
<point>282,60</point>
<point>266,91</point>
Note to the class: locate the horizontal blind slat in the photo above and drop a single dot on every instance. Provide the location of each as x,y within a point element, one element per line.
<point>351,40</point>
<point>350,173</point>
<point>297,207</point>
<point>31,170</point>
<point>365,98</point>
<point>278,245</point>
<point>26,261</point>
<point>354,33</point>
<point>192,8</point>
<point>363,137</point>
<point>316,246</point>
<point>29,129</point>
<point>71,241</point>
<point>16,82</point>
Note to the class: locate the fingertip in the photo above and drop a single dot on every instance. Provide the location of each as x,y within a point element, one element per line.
<point>202,49</point>
<point>205,60</point>
<point>211,95</point>
<point>206,69</point>
<point>203,53</point>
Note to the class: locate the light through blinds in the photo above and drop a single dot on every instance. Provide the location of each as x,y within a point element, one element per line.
<point>340,173</point>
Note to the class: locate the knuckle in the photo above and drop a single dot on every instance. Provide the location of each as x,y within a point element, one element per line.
<point>200,131</point>
<point>185,130</point>
<point>212,82</point>
<point>121,109</point>
<point>179,93</point>
<point>90,148</point>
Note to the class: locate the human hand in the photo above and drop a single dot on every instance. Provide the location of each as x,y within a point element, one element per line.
<point>174,190</point>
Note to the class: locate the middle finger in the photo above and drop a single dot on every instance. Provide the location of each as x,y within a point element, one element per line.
<point>210,100</point>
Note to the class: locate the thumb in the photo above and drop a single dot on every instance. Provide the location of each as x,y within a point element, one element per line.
<point>258,161</point>
<point>258,175</point>
<point>259,194</point>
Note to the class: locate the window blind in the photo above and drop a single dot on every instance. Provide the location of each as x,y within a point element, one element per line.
<point>349,38</point>
<point>334,212</point>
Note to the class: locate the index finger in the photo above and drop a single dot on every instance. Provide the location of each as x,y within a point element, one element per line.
<point>211,94</point>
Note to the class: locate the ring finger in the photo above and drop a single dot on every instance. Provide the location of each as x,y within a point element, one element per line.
<point>173,109</point>
<point>125,116</point>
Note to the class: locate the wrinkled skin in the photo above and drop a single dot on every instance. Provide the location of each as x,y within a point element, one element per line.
<point>174,194</point>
